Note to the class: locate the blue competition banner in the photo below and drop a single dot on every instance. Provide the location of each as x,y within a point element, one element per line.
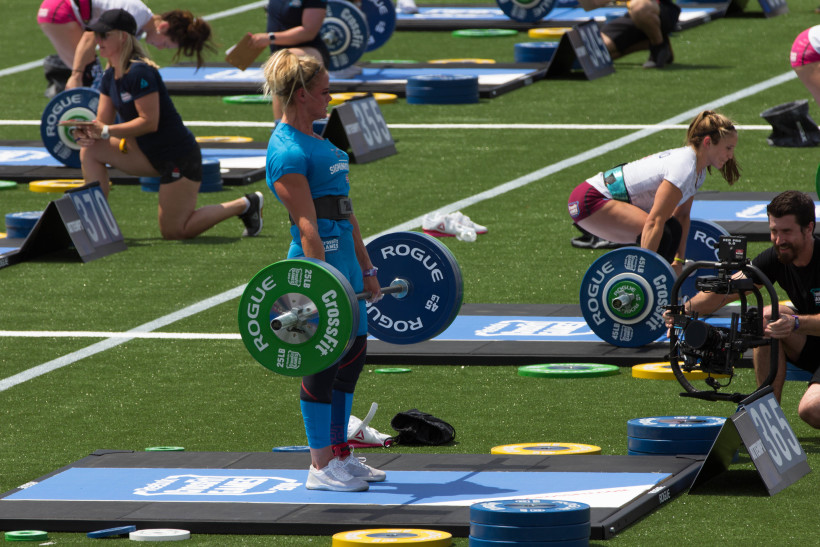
<point>287,486</point>
<point>529,328</point>
<point>578,15</point>
<point>486,74</point>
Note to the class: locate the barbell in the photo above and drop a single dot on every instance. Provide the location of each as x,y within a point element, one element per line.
<point>300,316</point>
<point>624,293</point>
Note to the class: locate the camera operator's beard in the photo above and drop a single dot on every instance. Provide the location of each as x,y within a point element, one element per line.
<point>786,254</point>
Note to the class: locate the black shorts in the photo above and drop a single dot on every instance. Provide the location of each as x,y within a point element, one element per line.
<point>188,165</point>
<point>808,358</point>
<point>624,34</point>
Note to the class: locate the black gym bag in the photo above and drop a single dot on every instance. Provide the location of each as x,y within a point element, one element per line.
<point>417,427</point>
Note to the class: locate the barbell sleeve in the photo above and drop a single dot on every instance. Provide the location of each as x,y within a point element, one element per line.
<point>398,288</point>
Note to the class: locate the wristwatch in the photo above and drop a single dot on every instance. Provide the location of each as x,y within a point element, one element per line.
<point>796,322</point>
<point>104,134</point>
<point>272,37</point>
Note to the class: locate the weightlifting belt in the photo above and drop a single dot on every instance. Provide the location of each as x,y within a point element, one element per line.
<point>614,180</point>
<point>332,208</point>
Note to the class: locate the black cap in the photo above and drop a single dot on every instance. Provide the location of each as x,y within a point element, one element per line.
<point>115,19</point>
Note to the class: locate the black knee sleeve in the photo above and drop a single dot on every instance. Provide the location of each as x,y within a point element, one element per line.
<point>672,232</point>
<point>342,376</point>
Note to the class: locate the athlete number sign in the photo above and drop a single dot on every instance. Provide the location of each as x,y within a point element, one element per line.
<point>96,216</point>
<point>760,425</point>
<point>358,125</point>
<point>776,438</point>
<point>590,50</point>
<point>89,222</point>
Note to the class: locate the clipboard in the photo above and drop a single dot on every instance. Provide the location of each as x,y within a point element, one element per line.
<point>244,53</point>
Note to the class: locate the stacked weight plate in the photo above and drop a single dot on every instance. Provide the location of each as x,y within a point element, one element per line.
<point>18,225</point>
<point>793,373</point>
<point>671,435</point>
<point>211,175</point>
<point>442,89</point>
<point>534,52</point>
<point>529,523</point>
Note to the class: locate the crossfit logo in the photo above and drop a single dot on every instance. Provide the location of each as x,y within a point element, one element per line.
<point>330,339</point>
<point>297,277</point>
<point>216,485</point>
<point>331,245</point>
<point>756,449</point>
<point>539,329</point>
<point>74,226</point>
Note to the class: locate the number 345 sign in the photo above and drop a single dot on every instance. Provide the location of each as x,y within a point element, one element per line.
<point>761,426</point>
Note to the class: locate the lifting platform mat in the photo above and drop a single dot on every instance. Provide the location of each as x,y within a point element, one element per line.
<point>451,17</point>
<point>25,161</point>
<point>223,79</point>
<point>264,493</point>
<point>523,334</point>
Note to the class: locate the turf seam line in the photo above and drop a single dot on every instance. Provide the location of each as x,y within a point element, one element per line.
<point>409,225</point>
<point>218,15</point>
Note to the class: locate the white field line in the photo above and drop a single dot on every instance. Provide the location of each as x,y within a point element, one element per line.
<point>459,126</point>
<point>409,225</point>
<point>219,15</point>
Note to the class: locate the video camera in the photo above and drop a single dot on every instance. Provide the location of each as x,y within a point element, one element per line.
<point>698,345</point>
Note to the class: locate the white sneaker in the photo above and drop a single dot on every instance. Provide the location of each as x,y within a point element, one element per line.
<point>334,477</point>
<point>407,6</point>
<point>464,220</point>
<point>360,434</point>
<point>454,224</point>
<point>356,467</point>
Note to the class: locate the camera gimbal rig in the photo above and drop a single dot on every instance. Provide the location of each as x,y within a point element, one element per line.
<point>697,345</point>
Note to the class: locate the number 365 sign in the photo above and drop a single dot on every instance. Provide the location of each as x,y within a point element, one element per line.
<point>358,125</point>
<point>762,427</point>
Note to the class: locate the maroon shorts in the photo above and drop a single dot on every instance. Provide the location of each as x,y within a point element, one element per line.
<point>585,200</point>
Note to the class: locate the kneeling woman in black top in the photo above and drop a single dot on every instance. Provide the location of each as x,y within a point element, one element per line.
<point>152,140</point>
